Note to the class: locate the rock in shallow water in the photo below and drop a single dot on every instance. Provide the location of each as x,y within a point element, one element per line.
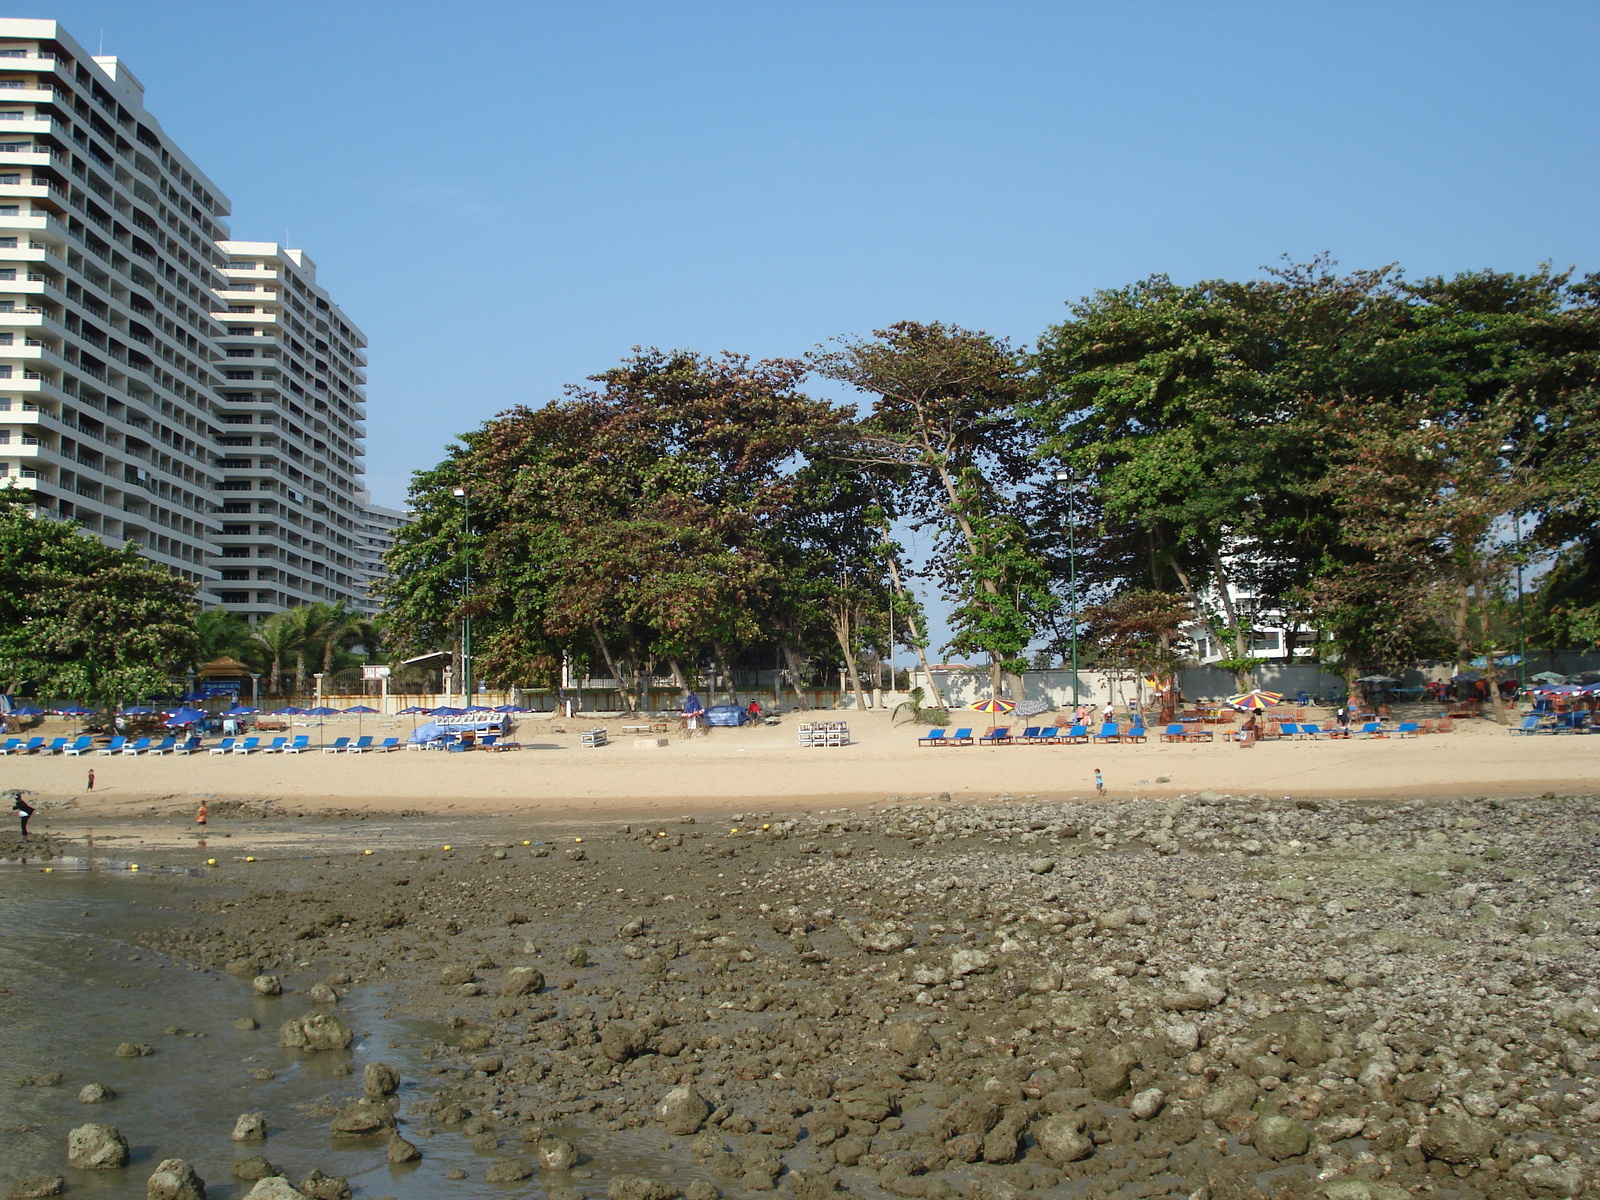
<point>315,1031</point>
<point>96,1147</point>
<point>249,1127</point>
<point>174,1179</point>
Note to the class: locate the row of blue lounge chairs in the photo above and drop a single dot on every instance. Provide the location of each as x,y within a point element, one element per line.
<point>1554,723</point>
<point>192,745</point>
<point>72,748</point>
<point>1110,732</point>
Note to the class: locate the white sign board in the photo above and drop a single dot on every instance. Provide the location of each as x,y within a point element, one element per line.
<point>374,672</point>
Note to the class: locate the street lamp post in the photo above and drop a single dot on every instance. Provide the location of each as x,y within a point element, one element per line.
<point>1065,477</point>
<point>466,597</point>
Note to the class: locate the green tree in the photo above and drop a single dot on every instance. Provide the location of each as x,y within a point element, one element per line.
<point>222,634</point>
<point>628,523</point>
<point>943,432</point>
<point>1199,417</point>
<point>82,620</point>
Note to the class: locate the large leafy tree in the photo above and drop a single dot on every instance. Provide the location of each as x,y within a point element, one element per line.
<point>942,431</point>
<point>628,523</point>
<point>81,620</point>
<point>1195,414</point>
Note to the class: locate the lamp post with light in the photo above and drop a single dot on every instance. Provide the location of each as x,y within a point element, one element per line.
<point>466,596</point>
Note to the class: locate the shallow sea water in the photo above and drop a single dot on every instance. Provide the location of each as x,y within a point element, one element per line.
<point>72,988</point>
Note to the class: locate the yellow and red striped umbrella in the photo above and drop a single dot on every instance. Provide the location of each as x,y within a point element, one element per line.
<point>1256,699</point>
<point>995,704</point>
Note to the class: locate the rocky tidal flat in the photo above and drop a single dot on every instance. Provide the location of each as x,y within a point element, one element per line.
<point>1215,997</point>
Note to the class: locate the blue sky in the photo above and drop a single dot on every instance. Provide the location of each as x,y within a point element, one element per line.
<point>508,196</point>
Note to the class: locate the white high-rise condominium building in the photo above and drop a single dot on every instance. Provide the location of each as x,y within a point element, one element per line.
<point>107,250</point>
<point>292,413</point>
<point>164,385</point>
<point>378,528</point>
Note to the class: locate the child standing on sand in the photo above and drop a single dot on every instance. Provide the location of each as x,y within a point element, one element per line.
<point>1099,782</point>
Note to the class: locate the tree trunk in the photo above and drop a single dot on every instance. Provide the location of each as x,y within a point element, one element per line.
<point>623,682</point>
<point>1195,602</point>
<point>917,640</point>
<point>794,675</point>
<point>1241,635</point>
<point>840,620</point>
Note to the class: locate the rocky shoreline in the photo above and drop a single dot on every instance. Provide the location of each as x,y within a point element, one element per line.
<point>1224,996</point>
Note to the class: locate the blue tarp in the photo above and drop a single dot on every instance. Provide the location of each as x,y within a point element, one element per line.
<point>433,731</point>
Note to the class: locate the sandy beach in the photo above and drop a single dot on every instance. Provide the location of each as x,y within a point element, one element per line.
<point>740,767</point>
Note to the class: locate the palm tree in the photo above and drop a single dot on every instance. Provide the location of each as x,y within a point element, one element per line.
<point>341,629</point>
<point>222,634</point>
<point>279,637</point>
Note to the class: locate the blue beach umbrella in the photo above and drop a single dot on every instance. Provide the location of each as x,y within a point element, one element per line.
<point>322,711</point>
<point>411,710</point>
<point>287,711</point>
<point>240,710</point>
<point>138,710</point>
<point>444,710</point>
<point>184,716</point>
<point>74,710</point>
<point>361,708</point>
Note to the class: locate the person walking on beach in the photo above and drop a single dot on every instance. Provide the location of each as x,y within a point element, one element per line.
<point>91,779</point>
<point>200,817</point>
<point>23,809</point>
<point>1099,782</point>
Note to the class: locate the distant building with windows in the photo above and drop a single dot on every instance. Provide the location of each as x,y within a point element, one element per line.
<point>166,385</point>
<point>377,527</point>
<point>292,419</point>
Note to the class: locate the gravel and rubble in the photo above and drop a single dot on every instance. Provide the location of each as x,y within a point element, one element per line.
<point>1214,997</point>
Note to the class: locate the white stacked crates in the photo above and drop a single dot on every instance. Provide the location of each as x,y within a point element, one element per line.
<point>824,733</point>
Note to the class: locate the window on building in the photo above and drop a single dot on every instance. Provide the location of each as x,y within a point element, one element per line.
<point>10,210</point>
<point>10,177</point>
<point>242,266</point>
<point>8,272</point>
<point>240,352</point>
<point>8,243</point>
<point>241,331</point>
<point>241,576</point>
<point>1272,640</point>
<point>241,308</point>
<point>240,374</point>
<point>235,597</point>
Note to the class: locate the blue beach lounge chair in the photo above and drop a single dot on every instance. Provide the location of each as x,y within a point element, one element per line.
<point>56,747</point>
<point>337,745</point>
<point>78,747</point>
<point>961,737</point>
<point>1310,730</point>
<point>935,738</point>
<point>276,746</point>
<point>114,746</point>
<point>388,744</point>
<point>1000,736</point>
<point>1046,735</point>
<point>165,746</point>
<point>1407,729</point>
<point>189,745</point>
<point>300,744</point>
<point>1136,733</point>
<point>1076,736</point>
<point>1372,729</point>
<point>249,746</point>
<point>12,746</point>
<point>35,744</point>
<point>1108,732</point>
<point>138,747</point>
<point>360,746</point>
<point>225,746</point>
<point>1173,732</point>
